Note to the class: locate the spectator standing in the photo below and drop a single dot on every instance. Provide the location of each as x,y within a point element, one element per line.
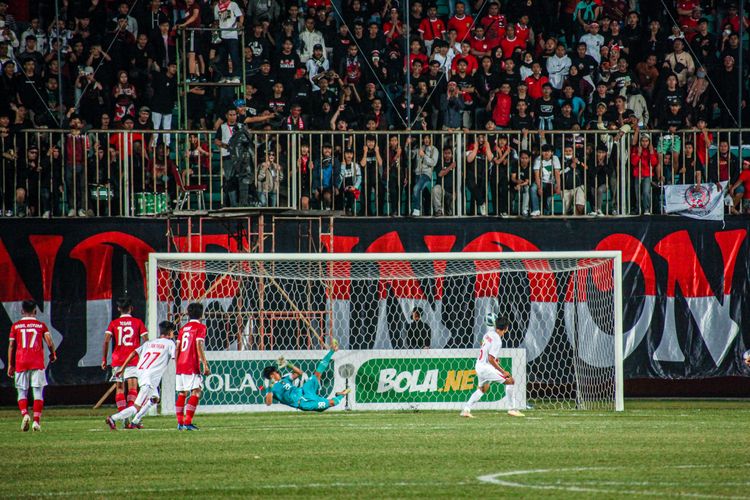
<point>163,101</point>
<point>442,191</point>
<point>425,158</point>
<point>269,176</point>
<point>643,159</point>
<point>546,179</point>
<point>351,180</point>
<point>75,145</point>
<point>230,20</point>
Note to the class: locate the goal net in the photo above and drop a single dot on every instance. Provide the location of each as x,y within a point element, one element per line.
<point>408,325</point>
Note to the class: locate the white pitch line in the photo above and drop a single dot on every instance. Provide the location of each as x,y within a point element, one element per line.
<point>495,479</point>
<point>247,488</point>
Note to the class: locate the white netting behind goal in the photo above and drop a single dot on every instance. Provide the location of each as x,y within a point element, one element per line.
<point>408,329</point>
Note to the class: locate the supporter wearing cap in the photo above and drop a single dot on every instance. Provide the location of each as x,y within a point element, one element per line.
<point>317,65</point>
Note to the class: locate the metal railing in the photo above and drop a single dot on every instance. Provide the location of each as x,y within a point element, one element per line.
<point>132,173</point>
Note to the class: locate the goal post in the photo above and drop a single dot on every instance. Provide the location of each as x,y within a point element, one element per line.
<point>409,325</point>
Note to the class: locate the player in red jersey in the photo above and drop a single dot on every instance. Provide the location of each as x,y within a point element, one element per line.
<point>26,336</point>
<point>190,350</point>
<point>128,333</point>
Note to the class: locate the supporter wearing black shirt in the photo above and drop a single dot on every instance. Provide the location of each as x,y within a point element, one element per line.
<point>632,33</point>
<point>510,75</point>
<point>545,109</point>
<point>264,80</point>
<point>259,43</point>
<point>287,62</point>
<point>586,64</point>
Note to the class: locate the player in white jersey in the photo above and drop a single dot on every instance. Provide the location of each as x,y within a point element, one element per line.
<point>154,357</point>
<point>487,368</point>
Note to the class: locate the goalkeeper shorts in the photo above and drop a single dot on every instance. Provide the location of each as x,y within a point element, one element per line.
<point>317,403</point>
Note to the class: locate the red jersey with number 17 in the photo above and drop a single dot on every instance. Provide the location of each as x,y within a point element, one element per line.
<point>126,332</point>
<point>187,359</point>
<point>28,333</point>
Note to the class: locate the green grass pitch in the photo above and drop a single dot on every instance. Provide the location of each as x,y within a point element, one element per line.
<point>654,449</point>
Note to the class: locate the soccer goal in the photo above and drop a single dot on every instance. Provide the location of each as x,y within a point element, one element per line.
<point>408,325</point>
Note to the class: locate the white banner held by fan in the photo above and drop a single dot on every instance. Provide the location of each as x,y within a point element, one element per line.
<point>699,201</point>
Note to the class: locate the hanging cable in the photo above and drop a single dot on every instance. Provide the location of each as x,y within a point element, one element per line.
<point>114,37</point>
<point>338,12</point>
<point>695,56</point>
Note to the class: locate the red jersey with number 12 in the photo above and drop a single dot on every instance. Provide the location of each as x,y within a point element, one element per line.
<point>28,334</point>
<point>126,332</point>
<point>187,359</point>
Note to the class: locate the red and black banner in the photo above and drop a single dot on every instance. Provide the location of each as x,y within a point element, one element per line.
<point>686,283</point>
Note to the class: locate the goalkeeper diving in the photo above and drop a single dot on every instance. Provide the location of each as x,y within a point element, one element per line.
<point>305,398</point>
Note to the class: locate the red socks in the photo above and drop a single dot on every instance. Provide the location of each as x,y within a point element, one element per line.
<point>23,405</point>
<point>179,408</point>
<point>132,394</point>
<point>120,400</point>
<point>192,404</point>
<point>38,405</point>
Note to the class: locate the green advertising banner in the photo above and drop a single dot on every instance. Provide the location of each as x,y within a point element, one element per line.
<point>380,379</point>
<point>238,381</point>
<point>422,380</point>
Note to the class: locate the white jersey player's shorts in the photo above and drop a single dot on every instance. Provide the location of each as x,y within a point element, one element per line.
<point>130,372</point>
<point>33,378</point>
<point>145,393</point>
<point>188,382</point>
<point>486,373</point>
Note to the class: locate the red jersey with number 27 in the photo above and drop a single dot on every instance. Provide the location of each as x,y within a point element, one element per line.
<point>187,359</point>
<point>28,333</point>
<point>126,332</point>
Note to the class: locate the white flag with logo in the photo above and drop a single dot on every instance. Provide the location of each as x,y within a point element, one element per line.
<point>699,201</point>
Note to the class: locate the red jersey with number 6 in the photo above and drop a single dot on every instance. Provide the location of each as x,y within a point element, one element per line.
<point>28,334</point>
<point>187,359</point>
<point>126,332</point>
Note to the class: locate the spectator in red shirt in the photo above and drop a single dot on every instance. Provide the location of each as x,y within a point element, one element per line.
<point>461,22</point>
<point>471,62</point>
<point>393,28</point>
<point>523,31</point>
<point>740,190</point>
<point>703,140</point>
<point>480,45</point>
<point>643,159</point>
<point>431,28</point>
<point>501,108</point>
<point>733,18</point>
<point>494,22</point>
<point>536,81</point>
<point>511,41</point>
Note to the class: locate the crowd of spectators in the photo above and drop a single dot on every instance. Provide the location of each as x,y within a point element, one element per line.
<point>383,65</point>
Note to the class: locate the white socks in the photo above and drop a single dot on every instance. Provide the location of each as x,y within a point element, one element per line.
<point>510,391</point>
<point>476,396</point>
<point>126,413</point>
<point>144,409</point>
